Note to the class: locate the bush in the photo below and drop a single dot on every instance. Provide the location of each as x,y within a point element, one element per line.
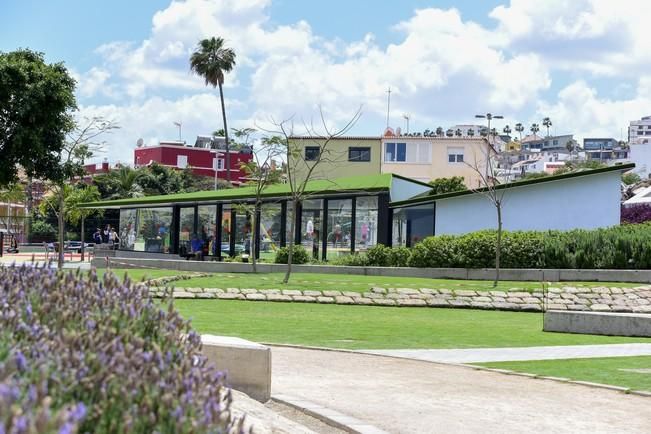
<point>42,231</point>
<point>299,255</point>
<point>636,214</point>
<point>83,354</point>
<point>435,252</point>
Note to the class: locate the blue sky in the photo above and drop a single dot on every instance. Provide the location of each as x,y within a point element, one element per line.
<point>584,63</point>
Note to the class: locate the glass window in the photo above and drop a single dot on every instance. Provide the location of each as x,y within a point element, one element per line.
<point>153,231</point>
<point>311,226</point>
<point>455,155</point>
<point>359,154</point>
<point>412,224</point>
<point>227,215</point>
<point>270,228</point>
<point>390,152</point>
<point>288,221</point>
<point>128,227</point>
<point>208,228</point>
<point>340,217</point>
<point>242,233</point>
<point>186,228</point>
<point>401,152</point>
<point>365,223</point>
<point>312,153</point>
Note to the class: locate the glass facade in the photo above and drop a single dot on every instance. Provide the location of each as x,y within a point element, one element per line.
<point>366,219</point>
<point>412,224</point>
<point>128,225</point>
<point>340,219</point>
<point>186,228</point>
<point>242,233</point>
<point>270,230</point>
<point>311,217</point>
<point>288,222</point>
<point>207,230</point>
<point>153,230</point>
<point>227,216</point>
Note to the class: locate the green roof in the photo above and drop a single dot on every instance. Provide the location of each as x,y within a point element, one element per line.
<point>370,183</point>
<point>429,197</point>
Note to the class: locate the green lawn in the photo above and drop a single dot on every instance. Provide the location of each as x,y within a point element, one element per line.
<point>345,282</point>
<point>371,327</point>
<point>632,372</point>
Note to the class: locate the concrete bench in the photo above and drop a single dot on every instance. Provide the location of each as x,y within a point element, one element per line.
<point>247,364</point>
<point>598,323</point>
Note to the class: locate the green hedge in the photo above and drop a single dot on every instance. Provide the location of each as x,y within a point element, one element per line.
<point>299,255</point>
<point>618,247</point>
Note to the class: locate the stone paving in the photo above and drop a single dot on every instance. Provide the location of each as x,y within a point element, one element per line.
<point>597,299</point>
<point>484,355</point>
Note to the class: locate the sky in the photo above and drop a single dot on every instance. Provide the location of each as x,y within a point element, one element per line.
<point>586,64</point>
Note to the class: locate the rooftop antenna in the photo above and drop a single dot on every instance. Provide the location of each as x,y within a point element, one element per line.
<point>406,117</point>
<point>178,124</point>
<point>388,104</point>
<point>140,142</point>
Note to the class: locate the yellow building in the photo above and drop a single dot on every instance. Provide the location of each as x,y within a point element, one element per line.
<point>337,158</point>
<point>427,158</point>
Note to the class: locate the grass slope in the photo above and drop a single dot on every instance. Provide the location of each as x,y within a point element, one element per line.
<point>370,327</point>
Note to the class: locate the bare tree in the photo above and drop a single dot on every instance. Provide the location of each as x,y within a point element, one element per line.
<point>261,173</point>
<point>82,143</point>
<point>296,158</point>
<point>494,192</point>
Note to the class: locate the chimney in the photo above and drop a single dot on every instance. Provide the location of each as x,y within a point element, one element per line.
<point>105,165</point>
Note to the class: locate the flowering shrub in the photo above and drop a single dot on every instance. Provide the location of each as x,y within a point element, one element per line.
<point>83,354</point>
<point>636,214</point>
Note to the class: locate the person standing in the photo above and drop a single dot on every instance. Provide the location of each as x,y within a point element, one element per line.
<point>114,240</point>
<point>106,233</point>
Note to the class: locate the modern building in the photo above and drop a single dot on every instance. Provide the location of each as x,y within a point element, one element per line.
<point>639,132</point>
<point>604,149</point>
<point>202,158</point>
<point>538,143</point>
<point>344,156</point>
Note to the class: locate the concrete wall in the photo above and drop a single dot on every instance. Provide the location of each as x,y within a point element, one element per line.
<point>598,323</point>
<point>247,364</point>
<point>524,274</point>
<point>586,202</point>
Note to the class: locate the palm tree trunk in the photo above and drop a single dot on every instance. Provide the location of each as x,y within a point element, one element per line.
<point>290,243</point>
<point>498,245</point>
<point>228,153</point>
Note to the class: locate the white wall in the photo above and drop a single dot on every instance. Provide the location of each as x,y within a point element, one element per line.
<point>587,202</point>
<point>641,156</point>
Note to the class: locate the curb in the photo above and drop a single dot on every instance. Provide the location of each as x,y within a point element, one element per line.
<point>328,416</point>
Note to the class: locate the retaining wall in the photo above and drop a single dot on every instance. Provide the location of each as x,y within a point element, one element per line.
<point>525,274</point>
<point>598,323</point>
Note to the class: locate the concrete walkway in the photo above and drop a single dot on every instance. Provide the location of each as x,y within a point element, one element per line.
<point>409,396</point>
<point>478,355</point>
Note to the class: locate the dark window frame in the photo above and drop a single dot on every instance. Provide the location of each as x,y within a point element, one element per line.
<point>309,150</point>
<point>360,152</point>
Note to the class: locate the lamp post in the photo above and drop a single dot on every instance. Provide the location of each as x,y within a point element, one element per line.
<point>178,124</point>
<point>489,117</point>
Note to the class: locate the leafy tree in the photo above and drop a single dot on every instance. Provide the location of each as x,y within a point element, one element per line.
<point>631,178</point>
<point>447,185</point>
<point>75,214</point>
<point>534,128</point>
<point>519,128</point>
<point>42,231</point>
<point>119,184</point>
<point>158,179</point>
<point>211,60</point>
<point>547,123</point>
<point>36,100</point>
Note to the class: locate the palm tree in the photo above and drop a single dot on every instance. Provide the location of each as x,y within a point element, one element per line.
<point>211,60</point>
<point>534,128</point>
<point>470,132</point>
<point>449,132</point>
<point>519,128</point>
<point>547,123</point>
<point>439,131</point>
<point>458,132</point>
<point>123,183</point>
<point>507,130</point>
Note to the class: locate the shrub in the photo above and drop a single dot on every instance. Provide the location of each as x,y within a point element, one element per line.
<point>42,231</point>
<point>83,354</point>
<point>636,214</point>
<point>379,256</point>
<point>299,255</point>
<point>435,252</point>
<point>399,257</point>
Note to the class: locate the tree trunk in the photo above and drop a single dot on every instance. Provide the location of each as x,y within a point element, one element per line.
<point>29,206</point>
<point>254,237</point>
<point>498,245</point>
<point>290,243</point>
<point>228,152</point>
<point>61,221</point>
<point>83,247</point>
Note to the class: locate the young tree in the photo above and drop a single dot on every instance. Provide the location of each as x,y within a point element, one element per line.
<point>260,174</point>
<point>297,162</point>
<point>36,101</point>
<point>74,214</point>
<point>211,60</point>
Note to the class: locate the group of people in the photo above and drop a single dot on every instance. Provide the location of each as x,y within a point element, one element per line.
<point>107,236</point>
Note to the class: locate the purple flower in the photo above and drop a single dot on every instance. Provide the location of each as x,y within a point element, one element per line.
<point>21,361</point>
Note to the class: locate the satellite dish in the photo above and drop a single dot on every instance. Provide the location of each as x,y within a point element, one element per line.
<point>140,142</point>
<point>398,132</point>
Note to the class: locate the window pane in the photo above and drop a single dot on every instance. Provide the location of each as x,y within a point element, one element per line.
<point>411,225</point>
<point>186,228</point>
<point>242,233</point>
<point>365,223</point>
<point>399,228</point>
<point>451,158</point>
<point>208,228</point>
<point>311,153</point>
<point>227,214</point>
<point>153,234</point>
<point>460,158</point>
<point>311,226</point>
<point>288,222</point>
<point>340,213</point>
<point>412,152</point>
<point>269,230</point>
<point>128,228</point>
<point>401,152</point>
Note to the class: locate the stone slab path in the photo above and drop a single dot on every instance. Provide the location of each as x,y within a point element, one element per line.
<point>410,396</point>
<point>478,355</point>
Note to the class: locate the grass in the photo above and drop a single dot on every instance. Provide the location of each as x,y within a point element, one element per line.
<point>140,274</point>
<point>372,327</point>
<point>607,370</point>
<point>346,282</point>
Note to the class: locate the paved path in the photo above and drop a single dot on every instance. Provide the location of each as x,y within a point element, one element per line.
<point>409,396</point>
<point>477,355</point>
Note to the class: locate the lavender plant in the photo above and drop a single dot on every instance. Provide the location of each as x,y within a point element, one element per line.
<point>83,354</point>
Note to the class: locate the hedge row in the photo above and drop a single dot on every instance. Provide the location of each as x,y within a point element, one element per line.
<point>619,247</point>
